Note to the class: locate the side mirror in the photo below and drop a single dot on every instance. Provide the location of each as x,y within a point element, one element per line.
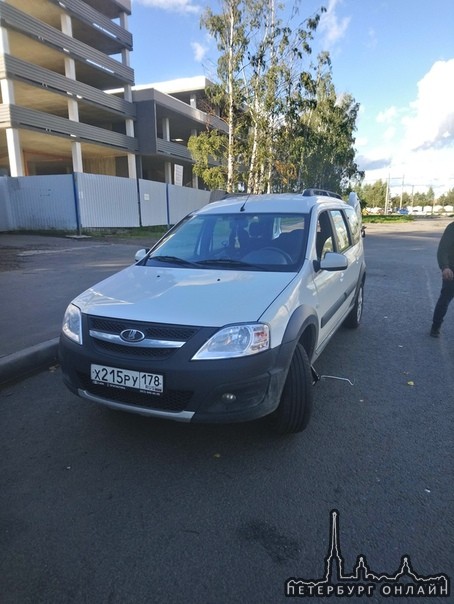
<point>140,255</point>
<point>332,261</point>
<point>363,231</point>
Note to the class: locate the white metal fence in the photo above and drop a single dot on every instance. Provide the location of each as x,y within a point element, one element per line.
<point>87,201</point>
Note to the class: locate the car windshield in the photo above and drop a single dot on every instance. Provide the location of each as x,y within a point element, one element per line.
<point>264,242</point>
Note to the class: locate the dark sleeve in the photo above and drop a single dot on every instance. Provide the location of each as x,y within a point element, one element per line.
<point>446,247</point>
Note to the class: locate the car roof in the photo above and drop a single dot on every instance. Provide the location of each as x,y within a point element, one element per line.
<point>294,203</point>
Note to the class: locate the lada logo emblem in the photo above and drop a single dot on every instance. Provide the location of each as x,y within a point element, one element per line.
<point>132,335</point>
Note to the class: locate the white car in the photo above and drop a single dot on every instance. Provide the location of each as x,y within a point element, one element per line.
<point>223,318</point>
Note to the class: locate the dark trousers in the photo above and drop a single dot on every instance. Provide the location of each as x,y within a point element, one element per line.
<point>446,295</point>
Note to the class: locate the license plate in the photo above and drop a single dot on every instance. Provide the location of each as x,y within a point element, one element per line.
<point>123,378</point>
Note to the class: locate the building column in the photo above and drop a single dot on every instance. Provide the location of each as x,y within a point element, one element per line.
<point>125,58</point>
<point>166,137</point>
<point>166,128</point>
<point>195,178</point>
<point>16,160</point>
<point>132,166</point>
<point>73,107</point>
<point>15,157</point>
<point>168,172</point>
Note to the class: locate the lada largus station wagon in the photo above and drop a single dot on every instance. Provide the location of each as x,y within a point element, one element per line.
<point>222,319</point>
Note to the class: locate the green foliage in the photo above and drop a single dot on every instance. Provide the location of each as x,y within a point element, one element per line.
<point>327,145</point>
<point>401,201</point>
<point>447,198</point>
<point>208,148</point>
<point>373,196</point>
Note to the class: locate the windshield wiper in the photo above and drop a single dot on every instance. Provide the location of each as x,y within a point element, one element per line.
<point>230,262</point>
<point>172,260</point>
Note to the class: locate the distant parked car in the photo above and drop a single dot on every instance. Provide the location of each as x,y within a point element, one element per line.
<point>403,211</point>
<point>223,318</point>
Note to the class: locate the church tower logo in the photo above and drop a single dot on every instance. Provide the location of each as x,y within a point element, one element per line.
<point>363,582</point>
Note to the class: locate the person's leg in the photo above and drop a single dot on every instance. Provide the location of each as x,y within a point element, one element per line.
<point>446,295</point>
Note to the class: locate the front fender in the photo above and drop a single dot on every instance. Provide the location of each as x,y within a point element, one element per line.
<point>302,327</point>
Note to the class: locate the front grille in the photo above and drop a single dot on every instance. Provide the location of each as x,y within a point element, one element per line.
<point>152,331</point>
<point>171,400</point>
<point>156,331</point>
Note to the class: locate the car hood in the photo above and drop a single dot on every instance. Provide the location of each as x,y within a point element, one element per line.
<point>184,296</point>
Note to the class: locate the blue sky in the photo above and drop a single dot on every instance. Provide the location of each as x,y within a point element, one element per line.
<point>395,57</point>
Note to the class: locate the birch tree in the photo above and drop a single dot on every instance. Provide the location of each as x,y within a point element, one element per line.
<point>286,125</point>
<point>229,28</point>
<point>327,152</point>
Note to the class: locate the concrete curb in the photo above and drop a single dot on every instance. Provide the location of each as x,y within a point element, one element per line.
<point>19,364</point>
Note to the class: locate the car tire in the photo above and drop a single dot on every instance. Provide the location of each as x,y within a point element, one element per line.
<point>295,407</point>
<point>355,315</point>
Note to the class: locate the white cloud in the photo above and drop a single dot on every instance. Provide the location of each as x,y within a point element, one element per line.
<point>361,141</point>
<point>389,134</point>
<point>199,51</point>
<point>331,26</point>
<point>387,116</point>
<point>418,139</point>
<point>180,6</point>
<point>431,122</point>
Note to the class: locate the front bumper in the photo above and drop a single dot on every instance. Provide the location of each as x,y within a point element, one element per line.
<point>214,391</point>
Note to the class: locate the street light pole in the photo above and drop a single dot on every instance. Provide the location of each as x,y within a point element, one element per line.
<point>401,192</point>
<point>387,196</point>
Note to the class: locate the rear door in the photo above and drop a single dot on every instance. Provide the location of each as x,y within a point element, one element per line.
<point>335,289</point>
<point>348,244</point>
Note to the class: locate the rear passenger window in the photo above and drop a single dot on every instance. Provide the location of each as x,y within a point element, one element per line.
<point>343,240</point>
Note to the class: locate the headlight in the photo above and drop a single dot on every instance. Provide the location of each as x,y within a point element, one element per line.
<point>72,324</point>
<point>235,341</point>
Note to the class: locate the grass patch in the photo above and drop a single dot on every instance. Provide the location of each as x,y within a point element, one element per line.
<point>42,232</point>
<point>391,219</point>
<point>154,232</point>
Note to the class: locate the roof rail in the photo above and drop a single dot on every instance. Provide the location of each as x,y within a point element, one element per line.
<point>320,192</point>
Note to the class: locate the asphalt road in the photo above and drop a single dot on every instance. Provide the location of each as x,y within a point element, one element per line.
<point>103,507</point>
<point>39,276</point>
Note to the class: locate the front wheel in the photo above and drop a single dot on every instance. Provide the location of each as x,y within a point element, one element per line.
<point>354,317</point>
<point>295,406</point>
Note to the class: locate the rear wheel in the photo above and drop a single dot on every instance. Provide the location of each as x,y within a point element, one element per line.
<point>295,407</point>
<point>354,317</point>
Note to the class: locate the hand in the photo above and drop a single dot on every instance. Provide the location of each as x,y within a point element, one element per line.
<point>447,274</point>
